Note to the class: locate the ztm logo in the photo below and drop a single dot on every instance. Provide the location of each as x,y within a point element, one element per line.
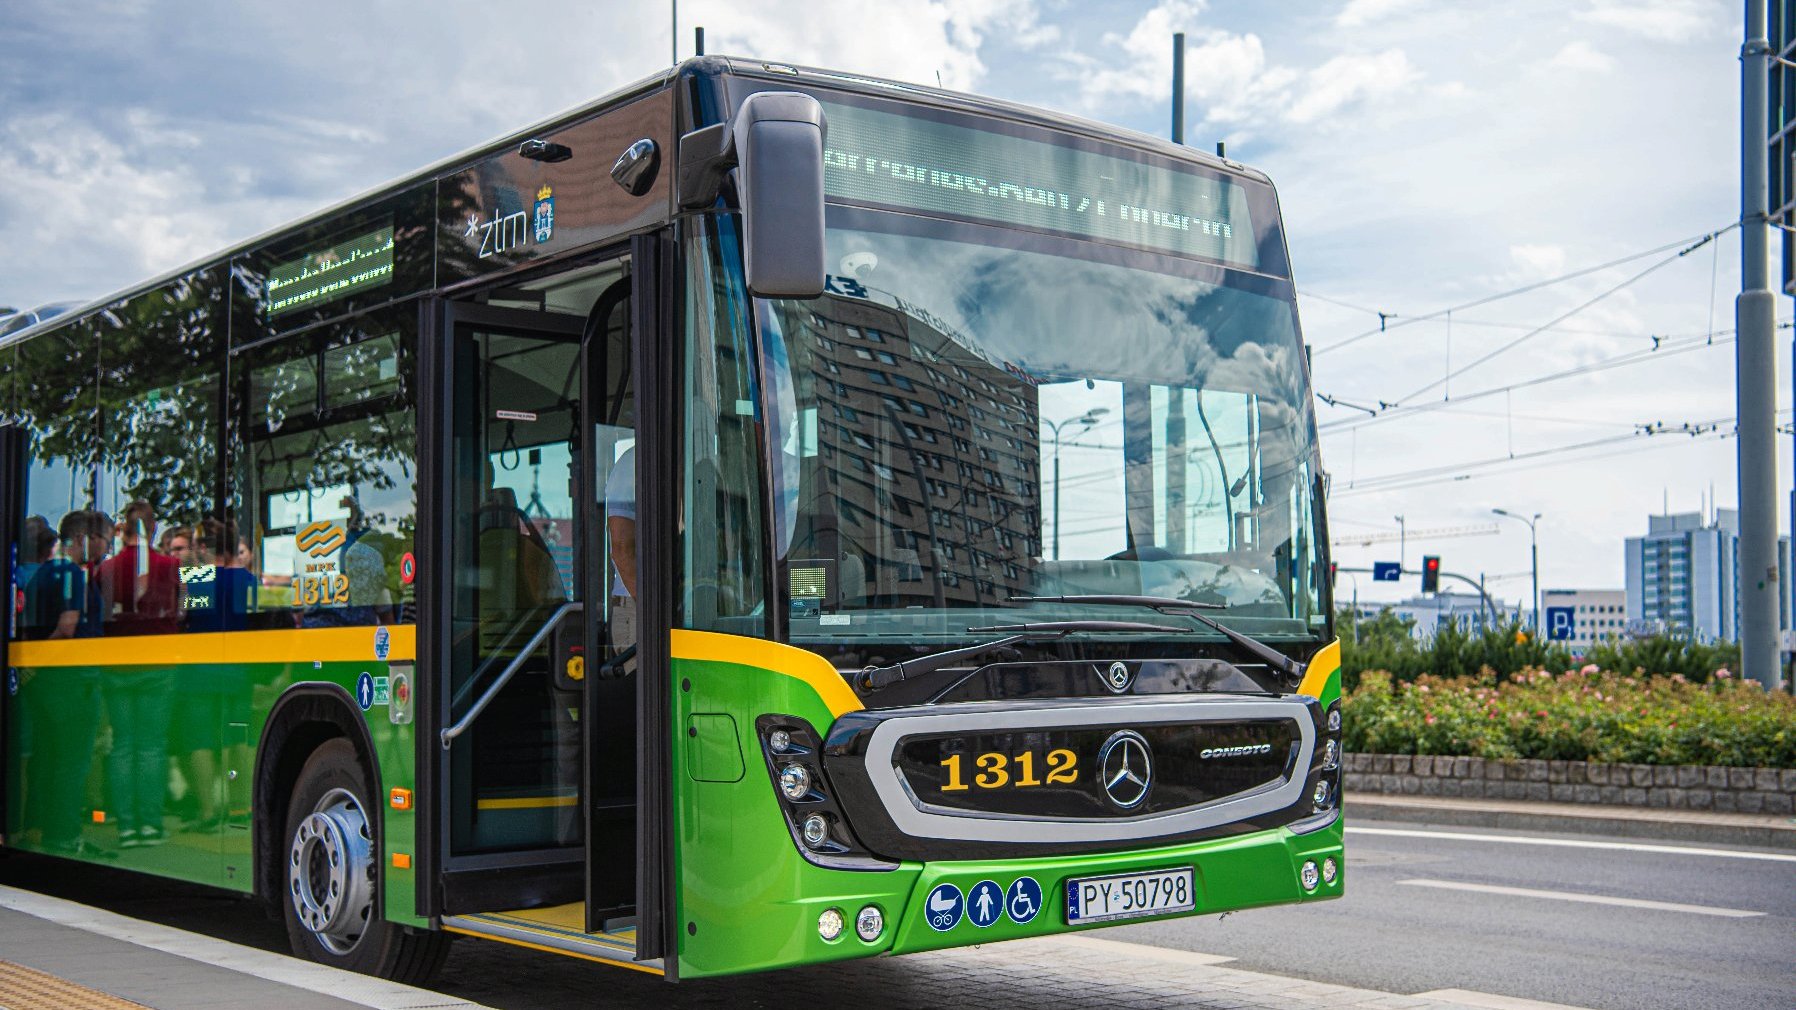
<point>320,539</point>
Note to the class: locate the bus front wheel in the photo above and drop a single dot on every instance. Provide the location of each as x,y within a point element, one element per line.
<point>331,876</point>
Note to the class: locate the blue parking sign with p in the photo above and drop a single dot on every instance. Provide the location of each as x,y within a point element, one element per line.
<point>1560,622</point>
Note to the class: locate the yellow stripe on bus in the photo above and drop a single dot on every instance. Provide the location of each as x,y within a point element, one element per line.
<point>1321,666</point>
<point>711,647</point>
<point>526,802</point>
<point>285,645</point>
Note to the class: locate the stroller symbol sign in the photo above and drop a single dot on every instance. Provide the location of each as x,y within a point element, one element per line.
<point>1023,902</point>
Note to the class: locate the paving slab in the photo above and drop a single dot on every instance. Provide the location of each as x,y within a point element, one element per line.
<point>1775,831</point>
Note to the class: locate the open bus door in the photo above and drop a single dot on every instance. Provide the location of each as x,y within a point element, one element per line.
<point>552,716</point>
<point>12,501</point>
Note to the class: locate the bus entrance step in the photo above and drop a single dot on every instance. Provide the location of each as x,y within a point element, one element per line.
<point>560,930</point>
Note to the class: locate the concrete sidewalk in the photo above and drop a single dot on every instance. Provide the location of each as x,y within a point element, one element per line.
<point>79,956</point>
<point>56,953</point>
<point>1773,831</point>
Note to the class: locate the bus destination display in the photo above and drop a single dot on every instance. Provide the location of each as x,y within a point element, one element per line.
<point>919,164</point>
<point>326,275</point>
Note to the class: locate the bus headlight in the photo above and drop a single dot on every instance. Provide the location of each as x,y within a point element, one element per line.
<point>869,924</point>
<point>1321,796</point>
<point>779,741</point>
<point>1331,752</point>
<point>1309,876</point>
<point>1330,870</point>
<point>816,830</point>
<point>795,781</point>
<point>829,924</point>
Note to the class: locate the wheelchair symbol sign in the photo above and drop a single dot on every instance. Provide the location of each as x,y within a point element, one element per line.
<point>1023,901</point>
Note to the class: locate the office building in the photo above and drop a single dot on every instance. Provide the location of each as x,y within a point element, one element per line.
<point>1581,618</point>
<point>1683,576</point>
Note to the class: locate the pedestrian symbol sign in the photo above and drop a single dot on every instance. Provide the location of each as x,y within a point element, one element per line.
<point>944,907</point>
<point>985,902</point>
<point>1023,900</point>
<point>364,690</point>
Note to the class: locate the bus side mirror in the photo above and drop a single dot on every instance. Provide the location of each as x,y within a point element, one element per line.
<point>778,138</point>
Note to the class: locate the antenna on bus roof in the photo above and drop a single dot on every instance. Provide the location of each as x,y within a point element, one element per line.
<point>1178,87</point>
<point>698,41</point>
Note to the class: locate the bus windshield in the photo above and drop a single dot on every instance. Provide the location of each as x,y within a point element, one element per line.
<point>972,413</point>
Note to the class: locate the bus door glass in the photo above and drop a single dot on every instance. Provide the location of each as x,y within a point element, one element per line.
<point>541,473</point>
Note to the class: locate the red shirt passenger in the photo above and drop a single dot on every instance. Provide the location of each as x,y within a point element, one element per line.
<point>140,588</point>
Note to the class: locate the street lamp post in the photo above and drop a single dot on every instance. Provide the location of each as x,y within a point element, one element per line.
<point>1533,559</point>
<point>1402,543</point>
<point>1087,419</point>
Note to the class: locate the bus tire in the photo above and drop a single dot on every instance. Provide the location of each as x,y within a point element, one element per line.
<point>330,876</point>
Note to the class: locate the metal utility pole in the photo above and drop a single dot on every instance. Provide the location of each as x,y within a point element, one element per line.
<point>1178,87</point>
<point>1087,419</point>
<point>1402,542</point>
<point>1755,359</point>
<point>1533,562</point>
<point>673,30</point>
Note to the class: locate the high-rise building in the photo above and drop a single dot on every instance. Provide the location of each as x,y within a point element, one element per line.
<point>1683,576</point>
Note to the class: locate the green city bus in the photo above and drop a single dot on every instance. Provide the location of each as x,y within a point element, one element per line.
<point>641,538</point>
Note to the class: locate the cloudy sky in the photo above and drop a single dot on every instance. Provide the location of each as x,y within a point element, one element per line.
<point>1429,155</point>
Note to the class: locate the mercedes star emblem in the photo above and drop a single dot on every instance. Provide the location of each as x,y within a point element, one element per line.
<point>1126,768</point>
<point>1118,678</point>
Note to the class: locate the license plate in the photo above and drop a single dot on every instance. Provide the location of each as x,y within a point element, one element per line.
<point>1130,895</point>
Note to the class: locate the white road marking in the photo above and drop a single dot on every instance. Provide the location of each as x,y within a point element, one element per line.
<point>376,993</point>
<point>1593,899</point>
<point>1575,843</point>
<point>1466,997</point>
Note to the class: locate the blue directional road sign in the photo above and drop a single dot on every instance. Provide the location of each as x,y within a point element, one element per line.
<point>1387,571</point>
<point>943,908</point>
<point>1560,621</point>
<point>1023,900</point>
<point>985,902</point>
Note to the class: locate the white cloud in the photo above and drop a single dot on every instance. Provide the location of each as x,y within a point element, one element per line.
<point>1537,262</point>
<point>1363,12</point>
<point>1581,56</point>
<point>1352,78</point>
<point>1659,20</point>
<point>907,42</point>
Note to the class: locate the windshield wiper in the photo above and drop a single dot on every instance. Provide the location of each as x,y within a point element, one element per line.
<point>874,678</point>
<point>1183,608</point>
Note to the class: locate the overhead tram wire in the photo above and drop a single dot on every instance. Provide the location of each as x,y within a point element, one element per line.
<point>1643,437</point>
<point>1383,327</point>
<point>1665,348</point>
<point>1580,307</point>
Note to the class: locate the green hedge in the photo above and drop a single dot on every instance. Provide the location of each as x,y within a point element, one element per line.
<point>1386,643</point>
<point>1581,715</point>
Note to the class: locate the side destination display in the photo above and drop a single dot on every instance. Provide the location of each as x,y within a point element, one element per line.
<point>325,275</point>
<point>909,162</point>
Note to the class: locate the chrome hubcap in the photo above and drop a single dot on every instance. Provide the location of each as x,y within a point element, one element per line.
<point>330,871</point>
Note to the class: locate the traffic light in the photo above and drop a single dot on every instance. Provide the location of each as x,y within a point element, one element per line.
<point>1431,573</point>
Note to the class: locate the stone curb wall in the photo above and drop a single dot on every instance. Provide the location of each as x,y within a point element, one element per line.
<point>1674,787</point>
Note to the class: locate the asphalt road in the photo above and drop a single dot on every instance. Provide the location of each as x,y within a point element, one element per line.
<point>1391,933</point>
<point>1409,924</point>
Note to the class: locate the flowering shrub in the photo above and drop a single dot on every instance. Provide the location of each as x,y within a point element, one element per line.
<point>1585,714</point>
<point>1387,642</point>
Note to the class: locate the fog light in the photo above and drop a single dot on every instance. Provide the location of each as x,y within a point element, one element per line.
<point>1321,795</point>
<point>1331,753</point>
<point>829,924</point>
<point>1330,870</point>
<point>1309,876</point>
<point>795,782</point>
<point>1334,720</point>
<point>869,924</point>
<point>779,741</point>
<point>816,830</point>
